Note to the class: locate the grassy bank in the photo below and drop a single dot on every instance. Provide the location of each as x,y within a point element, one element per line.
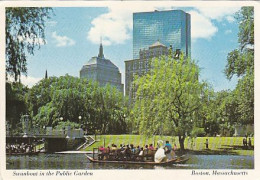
<point>217,145</point>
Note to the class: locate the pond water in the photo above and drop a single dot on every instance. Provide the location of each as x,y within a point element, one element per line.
<point>80,161</point>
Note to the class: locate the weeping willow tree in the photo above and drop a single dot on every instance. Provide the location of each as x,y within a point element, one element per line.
<point>24,31</point>
<point>168,98</point>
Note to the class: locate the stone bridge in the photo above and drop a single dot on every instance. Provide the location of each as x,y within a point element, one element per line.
<point>54,140</point>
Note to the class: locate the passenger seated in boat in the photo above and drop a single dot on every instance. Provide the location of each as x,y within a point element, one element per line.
<point>133,151</point>
<point>121,152</point>
<point>140,155</point>
<point>132,148</point>
<point>101,152</point>
<point>113,148</point>
<point>27,150</point>
<point>32,150</point>
<point>101,148</point>
<point>146,149</point>
<point>122,147</point>
<point>151,150</point>
<point>106,153</point>
<point>151,147</point>
<point>136,152</point>
<point>167,147</point>
<point>113,152</point>
<point>128,152</point>
<point>160,156</point>
<point>106,150</point>
<point>168,150</point>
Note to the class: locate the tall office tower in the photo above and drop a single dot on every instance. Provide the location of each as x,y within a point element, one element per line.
<point>102,70</point>
<point>169,27</point>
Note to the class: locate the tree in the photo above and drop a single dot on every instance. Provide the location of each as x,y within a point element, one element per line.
<point>241,60</point>
<point>24,32</point>
<point>101,109</point>
<point>241,63</point>
<point>15,103</point>
<point>244,96</point>
<point>168,96</point>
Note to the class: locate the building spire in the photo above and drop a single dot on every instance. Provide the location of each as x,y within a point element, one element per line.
<point>101,54</point>
<point>46,74</point>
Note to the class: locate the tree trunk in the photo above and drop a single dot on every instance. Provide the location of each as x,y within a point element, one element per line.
<point>181,141</point>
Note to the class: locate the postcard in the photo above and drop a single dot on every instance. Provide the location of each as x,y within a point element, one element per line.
<point>129,89</point>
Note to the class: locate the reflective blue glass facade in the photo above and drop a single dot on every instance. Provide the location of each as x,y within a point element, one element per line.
<point>169,27</point>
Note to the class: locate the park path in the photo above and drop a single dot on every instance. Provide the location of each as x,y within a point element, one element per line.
<point>89,140</point>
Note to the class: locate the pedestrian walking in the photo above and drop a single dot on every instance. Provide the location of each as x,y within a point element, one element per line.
<point>207,144</point>
<point>249,143</point>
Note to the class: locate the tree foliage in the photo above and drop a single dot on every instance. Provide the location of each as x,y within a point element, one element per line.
<point>101,109</point>
<point>244,95</point>
<point>168,97</point>
<point>241,60</point>
<point>24,32</point>
<point>241,63</point>
<point>15,103</point>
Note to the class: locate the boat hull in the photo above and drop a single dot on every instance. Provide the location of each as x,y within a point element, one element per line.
<point>173,161</point>
<point>16,154</point>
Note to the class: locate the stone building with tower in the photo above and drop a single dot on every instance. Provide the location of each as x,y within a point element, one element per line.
<point>102,70</point>
<point>142,65</point>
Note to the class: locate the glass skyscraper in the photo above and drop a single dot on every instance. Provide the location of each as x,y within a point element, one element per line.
<point>169,27</point>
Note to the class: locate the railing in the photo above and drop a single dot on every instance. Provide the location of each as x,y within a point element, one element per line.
<point>76,133</point>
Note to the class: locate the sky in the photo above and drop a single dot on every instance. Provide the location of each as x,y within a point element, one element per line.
<point>73,37</point>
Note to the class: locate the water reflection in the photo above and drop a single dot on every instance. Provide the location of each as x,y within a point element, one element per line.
<point>79,161</point>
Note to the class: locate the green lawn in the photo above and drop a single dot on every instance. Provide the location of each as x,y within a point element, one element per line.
<point>39,146</point>
<point>217,145</point>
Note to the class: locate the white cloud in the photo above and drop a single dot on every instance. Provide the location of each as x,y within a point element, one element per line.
<point>230,19</point>
<point>112,30</point>
<point>218,13</point>
<point>62,41</point>
<point>201,26</point>
<point>115,26</point>
<point>229,31</point>
<point>29,81</point>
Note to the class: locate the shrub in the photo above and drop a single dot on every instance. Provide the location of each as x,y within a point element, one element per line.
<point>198,132</point>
